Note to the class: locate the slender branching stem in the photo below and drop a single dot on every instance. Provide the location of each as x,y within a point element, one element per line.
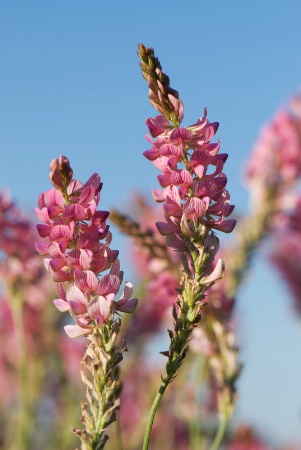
<point>24,392</point>
<point>153,411</point>
<point>221,431</point>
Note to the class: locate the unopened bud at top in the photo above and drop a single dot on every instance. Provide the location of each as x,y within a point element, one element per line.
<point>60,172</point>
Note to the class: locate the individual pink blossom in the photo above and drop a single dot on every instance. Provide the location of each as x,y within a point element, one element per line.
<point>77,250</point>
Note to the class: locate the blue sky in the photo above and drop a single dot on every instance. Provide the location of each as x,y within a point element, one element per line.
<point>70,83</point>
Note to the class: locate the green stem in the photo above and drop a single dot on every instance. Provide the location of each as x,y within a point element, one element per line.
<point>153,411</point>
<point>195,425</point>
<point>118,438</point>
<point>220,433</point>
<point>24,395</point>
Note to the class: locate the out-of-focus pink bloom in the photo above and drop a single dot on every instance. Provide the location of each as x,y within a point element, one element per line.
<point>159,298</point>
<point>245,438</point>
<point>20,266</point>
<point>72,354</point>
<point>191,196</point>
<point>275,162</point>
<point>286,254</point>
<point>74,255</point>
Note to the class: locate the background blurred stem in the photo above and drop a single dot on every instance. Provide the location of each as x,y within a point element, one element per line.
<point>195,424</point>
<point>118,437</point>
<point>24,419</point>
<point>219,437</point>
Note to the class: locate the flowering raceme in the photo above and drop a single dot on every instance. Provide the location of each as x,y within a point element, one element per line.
<point>191,194</point>
<point>73,254</point>
<point>75,258</point>
<point>195,203</point>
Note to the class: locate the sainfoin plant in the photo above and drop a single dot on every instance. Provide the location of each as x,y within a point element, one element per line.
<point>185,284</point>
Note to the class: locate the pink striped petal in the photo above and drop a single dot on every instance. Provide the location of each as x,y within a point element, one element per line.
<point>57,264</point>
<point>42,215</point>
<point>61,276</point>
<point>86,280</point>
<point>216,274</point>
<point>169,150</point>
<point>98,306</point>
<point>74,331</point>
<point>171,208</point>
<point>87,194</point>
<point>180,134</point>
<point>42,248</point>
<point>74,294</point>
<point>166,229</point>
<point>158,195</point>
<point>60,232</point>
<point>210,131</point>
<point>152,154</point>
<point>164,180</point>
<point>74,212</point>
<point>54,197</point>
<point>227,226</point>
<point>93,181</point>
<point>174,242</point>
<point>43,230</point>
<point>108,284</point>
<point>61,305</point>
<point>127,307</point>
<point>128,292</point>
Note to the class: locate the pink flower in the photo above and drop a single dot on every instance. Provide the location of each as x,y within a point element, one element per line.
<point>275,161</point>
<point>286,255</point>
<point>193,195</point>
<point>74,254</point>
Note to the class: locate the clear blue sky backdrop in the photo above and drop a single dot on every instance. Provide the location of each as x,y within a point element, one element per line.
<point>70,84</point>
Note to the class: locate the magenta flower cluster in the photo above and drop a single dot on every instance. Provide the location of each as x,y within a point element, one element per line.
<point>74,254</point>
<point>192,196</point>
